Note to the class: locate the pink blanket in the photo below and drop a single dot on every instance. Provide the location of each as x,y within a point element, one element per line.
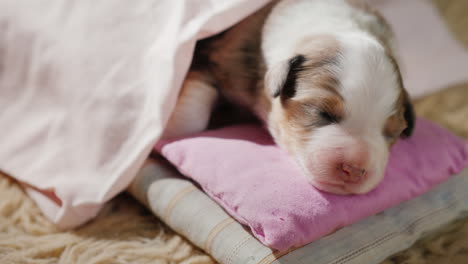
<point>261,186</point>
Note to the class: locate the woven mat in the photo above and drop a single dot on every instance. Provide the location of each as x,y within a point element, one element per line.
<point>125,232</point>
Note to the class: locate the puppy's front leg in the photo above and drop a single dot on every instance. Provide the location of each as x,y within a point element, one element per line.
<point>194,105</point>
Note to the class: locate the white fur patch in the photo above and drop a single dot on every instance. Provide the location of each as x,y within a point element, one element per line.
<point>369,86</point>
<point>293,20</point>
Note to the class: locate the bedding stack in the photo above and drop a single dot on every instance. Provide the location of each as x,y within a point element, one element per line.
<point>277,211</point>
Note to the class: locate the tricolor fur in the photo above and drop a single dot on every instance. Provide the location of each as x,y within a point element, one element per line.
<point>320,74</point>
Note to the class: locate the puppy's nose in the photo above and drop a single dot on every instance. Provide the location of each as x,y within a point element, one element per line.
<point>352,174</point>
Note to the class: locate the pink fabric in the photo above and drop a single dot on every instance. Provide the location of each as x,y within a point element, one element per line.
<point>261,186</point>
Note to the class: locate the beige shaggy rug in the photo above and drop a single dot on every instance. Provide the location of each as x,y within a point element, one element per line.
<point>125,232</point>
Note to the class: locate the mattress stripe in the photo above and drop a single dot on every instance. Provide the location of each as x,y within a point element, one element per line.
<point>215,231</point>
<point>235,251</point>
<point>176,199</point>
<point>270,258</point>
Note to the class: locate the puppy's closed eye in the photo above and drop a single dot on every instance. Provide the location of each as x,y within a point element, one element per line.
<point>328,117</point>
<point>322,118</point>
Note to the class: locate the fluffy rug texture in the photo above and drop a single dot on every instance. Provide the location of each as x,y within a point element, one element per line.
<point>125,232</point>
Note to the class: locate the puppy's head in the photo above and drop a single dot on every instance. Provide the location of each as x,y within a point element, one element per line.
<point>338,106</point>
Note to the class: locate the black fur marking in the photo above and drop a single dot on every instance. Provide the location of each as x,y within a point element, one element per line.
<point>410,120</point>
<point>289,87</point>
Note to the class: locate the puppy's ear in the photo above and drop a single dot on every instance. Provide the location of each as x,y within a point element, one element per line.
<point>281,79</point>
<point>410,117</point>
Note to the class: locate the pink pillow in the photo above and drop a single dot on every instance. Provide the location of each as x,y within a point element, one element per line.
<point>261,186</point>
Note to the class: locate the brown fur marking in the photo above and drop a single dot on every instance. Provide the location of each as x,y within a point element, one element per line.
<point>316,92</point>
<point>322,55</point>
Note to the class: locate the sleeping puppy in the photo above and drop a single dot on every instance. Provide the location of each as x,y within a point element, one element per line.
<point>320,74</point>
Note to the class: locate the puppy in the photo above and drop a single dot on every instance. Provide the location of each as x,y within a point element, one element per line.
<point>320,74</point>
